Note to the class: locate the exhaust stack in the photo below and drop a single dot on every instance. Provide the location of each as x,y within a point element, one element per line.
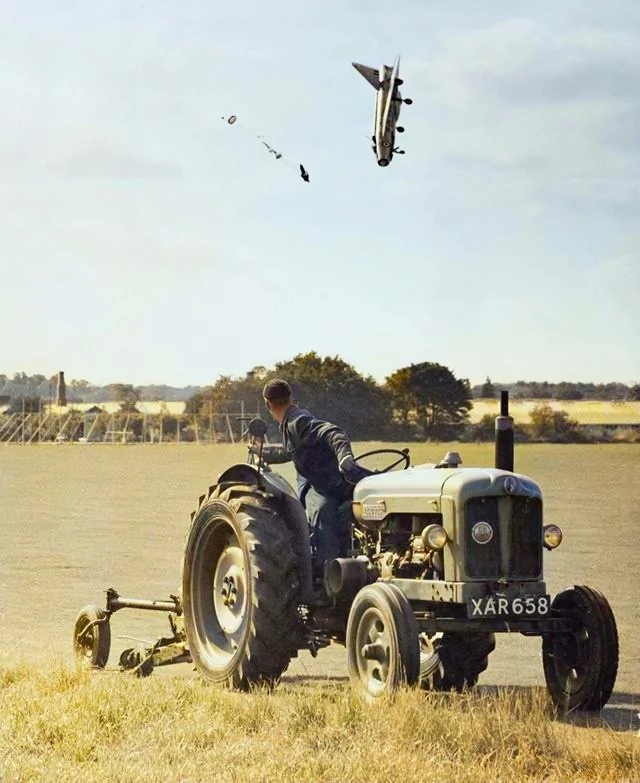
<point>504,435</point>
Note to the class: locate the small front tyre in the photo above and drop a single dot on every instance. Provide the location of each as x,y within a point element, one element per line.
<point>382,641</point>
<point>581,663</point>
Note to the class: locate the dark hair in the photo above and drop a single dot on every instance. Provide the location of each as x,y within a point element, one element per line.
<point>276,390</point>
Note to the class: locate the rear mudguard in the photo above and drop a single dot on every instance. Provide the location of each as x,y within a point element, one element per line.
<point>293,511</point>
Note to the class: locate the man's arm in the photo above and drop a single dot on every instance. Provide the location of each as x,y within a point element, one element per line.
<point>307,431</point>
<point>272,453</point>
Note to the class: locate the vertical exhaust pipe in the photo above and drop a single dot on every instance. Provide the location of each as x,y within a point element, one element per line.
<point>504,435</point>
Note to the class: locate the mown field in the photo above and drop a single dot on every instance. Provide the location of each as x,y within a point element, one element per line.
<point>582,411</point>
<point>78,519</point>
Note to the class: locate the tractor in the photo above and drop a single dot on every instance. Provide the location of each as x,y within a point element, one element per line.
<point>442,558</point>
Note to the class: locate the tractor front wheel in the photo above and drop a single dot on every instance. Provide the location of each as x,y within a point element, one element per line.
<point>382,641</point>
<point>240,590</point>
<point>581,663</point>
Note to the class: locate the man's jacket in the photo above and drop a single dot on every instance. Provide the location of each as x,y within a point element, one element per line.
<point>316,448</point>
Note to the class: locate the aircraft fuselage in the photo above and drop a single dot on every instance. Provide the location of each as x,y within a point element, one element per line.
<point>386,83</point>
<point>384,127</point>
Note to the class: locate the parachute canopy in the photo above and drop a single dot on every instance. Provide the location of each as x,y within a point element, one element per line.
<point>232,120</point>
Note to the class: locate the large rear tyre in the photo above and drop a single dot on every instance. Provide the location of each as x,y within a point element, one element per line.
<point>92,637</point>
<point>240,591</point>
<point>580,665</point>
<point>382,641</point>
<point>463,658</point>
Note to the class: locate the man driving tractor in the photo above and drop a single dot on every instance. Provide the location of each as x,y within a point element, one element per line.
<point>327,470</point>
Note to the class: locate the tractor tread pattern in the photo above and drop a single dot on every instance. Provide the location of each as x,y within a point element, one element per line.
<point>593,609</point>
<point>274,591</point>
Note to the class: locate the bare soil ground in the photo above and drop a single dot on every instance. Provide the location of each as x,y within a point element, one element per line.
<point>76,519</point>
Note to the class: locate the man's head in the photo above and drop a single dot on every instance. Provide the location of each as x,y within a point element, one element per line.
<point>277,397</point>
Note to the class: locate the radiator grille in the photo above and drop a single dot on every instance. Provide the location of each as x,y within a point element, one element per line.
<point>482,561</point>
<point>525,546</point>
<point>522,558</point>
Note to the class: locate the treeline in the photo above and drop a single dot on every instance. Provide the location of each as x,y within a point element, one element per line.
<point>20,385</point>
<point>423,401</point>
<point>535,390</point>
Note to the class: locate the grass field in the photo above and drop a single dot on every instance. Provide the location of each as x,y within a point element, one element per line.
<point>68,725</point>
<point>78,519</point>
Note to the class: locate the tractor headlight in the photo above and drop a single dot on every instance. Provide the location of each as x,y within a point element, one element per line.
<point>552,536</point>
<point>434,536</point>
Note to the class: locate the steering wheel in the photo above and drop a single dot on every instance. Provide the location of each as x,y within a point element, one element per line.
<point>402,453</point>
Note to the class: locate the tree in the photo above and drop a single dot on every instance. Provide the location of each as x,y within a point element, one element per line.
<point>429,395</point>
<point>568,391</point>
<point>634,392</point>
<point>555,426</point>
<point>330,387</point>
<point>334,390</point>
<point>27,404</point>
<point>126,394</point>
<point>485,429</point>
<point>227,395</point>
<point>488,389</point>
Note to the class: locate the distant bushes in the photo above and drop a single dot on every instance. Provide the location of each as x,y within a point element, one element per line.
<point>547,425</point>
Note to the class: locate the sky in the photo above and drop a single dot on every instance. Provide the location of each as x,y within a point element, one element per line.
<point>144,240</point>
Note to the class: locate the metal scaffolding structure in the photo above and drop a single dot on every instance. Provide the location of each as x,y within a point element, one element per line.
<point>99,426</point>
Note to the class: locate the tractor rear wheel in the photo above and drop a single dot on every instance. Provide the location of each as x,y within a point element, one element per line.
<point>382,641</point>
<point>463,658</point>
<point>240,590</point>
<point>580,665</point>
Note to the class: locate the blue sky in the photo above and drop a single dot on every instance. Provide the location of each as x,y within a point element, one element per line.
<point>144,240</point>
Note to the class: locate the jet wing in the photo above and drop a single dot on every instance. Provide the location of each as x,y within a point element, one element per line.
<point>372,75</point>
<point>391,92</point>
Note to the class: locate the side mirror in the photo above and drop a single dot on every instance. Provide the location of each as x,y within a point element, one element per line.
<point>257,428</point>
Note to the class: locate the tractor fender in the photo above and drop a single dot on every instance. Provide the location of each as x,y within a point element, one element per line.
<point>292,510</point>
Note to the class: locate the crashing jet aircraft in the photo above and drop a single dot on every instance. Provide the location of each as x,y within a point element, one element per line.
<point>386,82</point>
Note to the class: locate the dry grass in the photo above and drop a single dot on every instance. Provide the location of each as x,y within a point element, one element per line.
<point>583,411</point>
<point>67,724</point>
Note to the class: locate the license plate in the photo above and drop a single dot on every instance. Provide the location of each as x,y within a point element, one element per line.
<point>509,606</point>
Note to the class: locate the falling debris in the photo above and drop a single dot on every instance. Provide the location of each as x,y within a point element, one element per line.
<point>233,120</point>
<point>277,154</point>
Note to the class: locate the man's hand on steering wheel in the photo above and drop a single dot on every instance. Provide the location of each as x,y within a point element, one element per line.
<point>353,472</point>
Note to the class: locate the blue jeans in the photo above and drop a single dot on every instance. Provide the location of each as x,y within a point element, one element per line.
<point>329,518</point>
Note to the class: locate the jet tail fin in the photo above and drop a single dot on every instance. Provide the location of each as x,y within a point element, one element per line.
<point>372,75</point>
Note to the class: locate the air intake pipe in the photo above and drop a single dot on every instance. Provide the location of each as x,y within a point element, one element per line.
<point>345,576</point>
<point>504,435</point>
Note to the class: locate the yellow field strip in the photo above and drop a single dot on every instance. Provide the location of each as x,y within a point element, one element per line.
<point>583,411</point>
